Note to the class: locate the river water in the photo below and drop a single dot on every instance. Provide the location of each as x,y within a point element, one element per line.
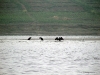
<point>34,57</point>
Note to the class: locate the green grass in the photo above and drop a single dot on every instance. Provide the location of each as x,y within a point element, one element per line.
<point>66,17</point>
<point>14,18</point>
<point>18,14</point>
<point>48,19</point>
<point>86,4</point>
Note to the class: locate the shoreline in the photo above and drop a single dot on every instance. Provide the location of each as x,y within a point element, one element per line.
<point>50,37</point>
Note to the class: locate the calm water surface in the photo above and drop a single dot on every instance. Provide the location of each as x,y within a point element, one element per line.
<point>21,57</point>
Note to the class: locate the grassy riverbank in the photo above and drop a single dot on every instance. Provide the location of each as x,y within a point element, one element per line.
<point>49,17</point>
